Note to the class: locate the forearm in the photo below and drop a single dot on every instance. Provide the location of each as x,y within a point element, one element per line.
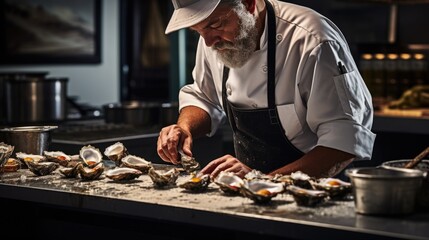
<point>319,162</point>
<point>194,120</point>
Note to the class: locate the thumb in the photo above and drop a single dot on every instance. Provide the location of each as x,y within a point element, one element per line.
<point>187,146</point>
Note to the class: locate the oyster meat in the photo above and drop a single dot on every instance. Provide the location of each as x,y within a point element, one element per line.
<point>90,173</point>
<point>163,178</point>
<point>229,182</point>
<point>42,168</point>
<point>261,191</point>
<point>123,174</point>
<point>136,162</point>
<point>90,155</point>
<point>196,184</point>
<point>116,152</point>
<point>189,163</point>
<point>58,157</point>
<point>5,152</point>
<point>306,197</point>
<point>336,188</point>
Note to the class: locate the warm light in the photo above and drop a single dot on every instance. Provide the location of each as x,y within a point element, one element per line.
<point>379,56</point>
<point>367,56</point>
<point>405,56</point>
<point>392,56</point>
<point>419,56</point>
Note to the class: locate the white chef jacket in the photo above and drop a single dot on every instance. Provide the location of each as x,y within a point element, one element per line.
<point>317,105</point>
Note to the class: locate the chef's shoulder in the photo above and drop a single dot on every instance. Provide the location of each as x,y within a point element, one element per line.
<point>305,23</point>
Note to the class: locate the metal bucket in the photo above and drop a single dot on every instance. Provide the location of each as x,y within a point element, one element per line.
<point>381,191</point>
<point>28,139</point>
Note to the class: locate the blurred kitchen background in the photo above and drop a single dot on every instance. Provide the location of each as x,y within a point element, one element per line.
<point>118,58</point>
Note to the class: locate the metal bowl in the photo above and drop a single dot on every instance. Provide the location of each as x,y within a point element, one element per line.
<point>423,194</point>
<point>382,191</point>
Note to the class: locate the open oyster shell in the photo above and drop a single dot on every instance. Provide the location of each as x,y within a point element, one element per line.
<point>336,188</point>
<point>90,155</point>
<point>70,172</point>
<point>11,165</point>
<point>261,191</point>
<point>58,157</point>
<point>136,162</point>
<point>189,163</point>
<point>5,152</point>
<point>25,157</point>
<point>116,152</point>
<point>196,184</point>
<point>306,197</point>
<point>256,175</point>
<point>228,182</point>
<point>90,173</point>
<point>123,174</point>
<point>302,180</point>
<point>41,168</point>
<point>163,178</point>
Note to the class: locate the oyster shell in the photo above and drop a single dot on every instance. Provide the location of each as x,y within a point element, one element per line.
<point>24,157</point>
<point>11,165</point>
<point>285,179</point>
<point>70,172</point>
<point>58,157</point>
<point>301,179</point>
<point>256,175</point>
<point>5,152</point>
<point>228,182</point>
<point>136,162</point>
<point>123,173</point>
<point>163,178</point>
<point>261,191</point>
<point>306,197</point>
<point>90,155</point>
<point>336,188</point>
<point>196,184</point>
<point>116,152</point>
<point>189,163</point>
<point>41,168</point>
<point>90,173</point>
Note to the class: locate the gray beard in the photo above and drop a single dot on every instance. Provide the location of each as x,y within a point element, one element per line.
<point>236,54</point>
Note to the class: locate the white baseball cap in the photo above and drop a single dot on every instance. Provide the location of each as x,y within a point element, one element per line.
<point>190,12</point>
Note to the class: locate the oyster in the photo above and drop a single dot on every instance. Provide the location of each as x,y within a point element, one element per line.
<point>189,163</point>
<point>228,182</point>
<point>116,152</point>
<point>136,162</point>
<point>301,179</point>
<point>70,172</point>
<point>261,191</point>
<point>123,173</point>
<point>256,175</point>
<point>24,157</point>
<point>41,168</point>
<point>162,178</point>
<point>285,179</point>
<point>11,165</point>
<point>5,152</point>
<point>90,173</point>
<point>58,157</point>
<point>336,188</point>
<point>196,184</point>
<point>306,197</point>
<point>90,155</point>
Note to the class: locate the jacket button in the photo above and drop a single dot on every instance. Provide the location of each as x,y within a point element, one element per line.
<point>228,91</point>
<point>264,68</point>
<point>279,37</point>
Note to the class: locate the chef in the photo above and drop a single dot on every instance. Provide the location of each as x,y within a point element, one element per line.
<point>283,76</point>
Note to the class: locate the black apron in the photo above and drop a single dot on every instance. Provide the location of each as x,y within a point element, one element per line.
<point>259,138</point>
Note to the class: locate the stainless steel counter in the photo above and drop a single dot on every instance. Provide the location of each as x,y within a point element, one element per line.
<point>138,199</point>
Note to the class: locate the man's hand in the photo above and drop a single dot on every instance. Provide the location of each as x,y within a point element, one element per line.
<point>172,138</point>
<point>226,163</point>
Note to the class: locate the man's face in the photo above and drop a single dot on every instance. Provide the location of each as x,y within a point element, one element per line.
<point>231,33</point>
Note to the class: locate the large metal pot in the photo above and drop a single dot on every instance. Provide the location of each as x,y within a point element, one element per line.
<point>423,193</point>
<point>28,139</point>
<point>135,113</point>
<point>382,191</point>
<point>34,99</point>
